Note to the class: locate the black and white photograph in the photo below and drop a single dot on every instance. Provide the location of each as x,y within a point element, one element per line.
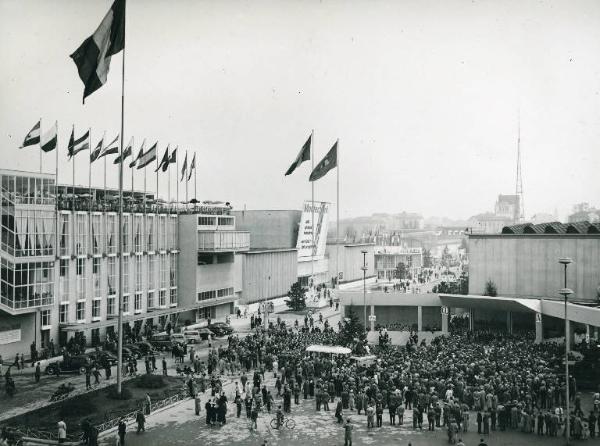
<point>300,222</point>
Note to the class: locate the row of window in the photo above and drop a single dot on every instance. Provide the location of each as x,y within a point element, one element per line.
<point>204,220</point>
<point>212,294</point>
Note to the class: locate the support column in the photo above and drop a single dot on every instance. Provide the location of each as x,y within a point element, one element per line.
<point>445,317</point>
<point>568,334</point>
<point>419,318</point>
<point>539,328</point>
<point>509,322</point>
<point>588,335</point>
<point>471,319</point>
<point>372,314</point>
<point>596,333</point>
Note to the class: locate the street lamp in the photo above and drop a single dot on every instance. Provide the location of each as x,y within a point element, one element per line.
<point>364,270</point>
<point>566,292</point>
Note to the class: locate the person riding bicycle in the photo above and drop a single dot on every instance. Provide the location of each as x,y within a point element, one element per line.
<point>279,417</point>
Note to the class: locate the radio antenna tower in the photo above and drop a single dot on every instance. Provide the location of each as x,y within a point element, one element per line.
<point>520,212</point>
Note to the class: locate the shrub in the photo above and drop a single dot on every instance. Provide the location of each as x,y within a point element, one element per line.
<point>77,407</point>
<point>150,382</point>
<point>113,395</point>
<point>490,289</point>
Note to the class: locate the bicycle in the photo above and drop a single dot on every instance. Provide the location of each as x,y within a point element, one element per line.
<point>289,423</point>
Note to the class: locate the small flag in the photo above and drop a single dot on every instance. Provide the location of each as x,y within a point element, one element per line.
<point>79,144</point>
<point>112,147</point>
<point>139,155</point>
<point>33,137</point>
<point>164,162</point>
<point>192,167</point>
<point>304,155</point>
<point>96,152</point>
<point>49,139</point>
<point>93,55</point>
<point>173,157</point>
<point>184,168</point>
<point>147,157</point>
<point>126,152</point>
<point>325,165</point>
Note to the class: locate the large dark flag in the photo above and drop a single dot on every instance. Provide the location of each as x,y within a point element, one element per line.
<point>93,55</point>
<point>164,162</point>
<point>49,139</point>
<point>325,165</point>
<point>304,155</point>
<point>173,157</point>
<point>147,157</point>
<point>184,168</point>
<point>33,137</point>
<point>79,144</point>
<point>192,167</point>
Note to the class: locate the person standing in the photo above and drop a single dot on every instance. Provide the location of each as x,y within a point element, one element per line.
<point>122,430</point>
<point>197,404</point>
<point>148,404</point>
<point>164,366</point>
<point>38,373</point>
<point>348,432</point>
<point>140,419</point>
<point>62,431</point>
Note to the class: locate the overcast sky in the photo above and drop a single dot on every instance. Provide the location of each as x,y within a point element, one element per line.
<point>424,97</point>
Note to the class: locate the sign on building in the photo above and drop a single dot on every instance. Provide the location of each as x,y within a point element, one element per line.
<point>10,336</point>
<point>306,248</point>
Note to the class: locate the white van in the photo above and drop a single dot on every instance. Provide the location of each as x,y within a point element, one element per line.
<point>192,336</point>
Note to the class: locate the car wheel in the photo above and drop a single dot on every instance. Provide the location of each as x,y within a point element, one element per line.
<point>81,370</point>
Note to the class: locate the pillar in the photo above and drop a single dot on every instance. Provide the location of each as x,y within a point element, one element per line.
<point>568,334</point>
<point>596,333</point>
<point>471,319</point>
<point>419,318</point>
<point>587,333</point>
<point>372,321</point>
<point>445,317</point>
<point>509,322</point>
<point>539,328</point>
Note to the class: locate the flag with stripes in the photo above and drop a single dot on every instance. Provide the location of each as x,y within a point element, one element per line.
<point>304,155</point>
<point>111,148</point>
<point>79,144</point>
<point>127,151</point>
<point>97,150</point>
<point>93,55</point>
<point>184,168</point>
<point>147,157</point>
<point>164,162</point>
<point>192,167</point>
<point>49,139</point>
<point>33,137</point>
<point>139,155</point>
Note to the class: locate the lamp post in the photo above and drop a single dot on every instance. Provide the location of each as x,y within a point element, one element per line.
<point>364,270</point>
<point>566,292</point>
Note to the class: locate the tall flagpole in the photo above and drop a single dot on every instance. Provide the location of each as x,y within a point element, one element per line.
<point>73,189</point>
<point>195,180</point>
<point>41,145</point>
<point>90,177</point>
<point>177,181</point>
<point>57,220</point>
<point>120,297</point>
<point>169,182</point>
<point>312,184</point>
<point>186,179</point>
<point>132,169</point>
<point>157,165</point>
<point>337,223</point>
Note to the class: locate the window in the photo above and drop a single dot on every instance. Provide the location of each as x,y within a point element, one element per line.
<point>81,234</point>
<point>206,312</point>
<point>63,315</point>
<point>152,259</point>
<point>139,279</point>
<point>164,271</point>
<point>63,280</point>
<point>96,276</point>
<point>125,304</point>
<point>97,233</point>
<point>173,296</point>
<point>150,233</point>
<point>173,271</point>
<point>207,221</point>
<point>162,232</point>
<point>45,317</point>
<point>225,292</point>
<point>110,305</point>
<point>172,232</point>
<point>162,298</point>
<point>80,270</point>
<point>64,235</point>
<point>137,303</point>
<point>226,221</point>
<point>205,295</point>
<point>96,309</point>
<point>125,232</point>
<point>111,233</point>
<point>138,234</point>
<point>80,311</point>
<point>150,299</point>
<point>112,276</point>
<point>125,274</point>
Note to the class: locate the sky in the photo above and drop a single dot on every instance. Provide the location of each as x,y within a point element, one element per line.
<point>425,98</point>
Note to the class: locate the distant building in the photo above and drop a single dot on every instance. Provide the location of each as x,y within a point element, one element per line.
<point>509,207</point>
<point>543,218</point>
<point>387,259</point>
<point>583,212</point>
<point>489,223</point>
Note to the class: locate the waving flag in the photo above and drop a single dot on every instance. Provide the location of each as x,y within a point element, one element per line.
<point>112,147</point>
<point>164,162</point>
<point>139,155</point>
<point>79,144</point>
<point>192,167</point>
<point>49,139</point>
<point>33,137</point>
<point>147,157</point>
<point>93,55</point>
<point>304,155</point>
<point>173,157</point>
<point>325,165</point>
<point>96,152</point>
<point>184,168</point>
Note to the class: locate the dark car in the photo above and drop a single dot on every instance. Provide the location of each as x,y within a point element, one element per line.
<point>220,329</point>
<point>162,341</point>
<point>75,364</point>
<point>145,347</point>
<point>134,349</point>
<point>103,357</point>
<point>127,353</point>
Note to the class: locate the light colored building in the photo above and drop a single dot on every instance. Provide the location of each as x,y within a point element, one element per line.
<point>489,223</point>
<point>387,259</point>
<point>350,260</point>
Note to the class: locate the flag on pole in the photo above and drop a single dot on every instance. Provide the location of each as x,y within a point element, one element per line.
<point>93,55</point>
<point>192,167</point>
<point>79,144</point>
<point>126,152</point>
<point>148,157</point>
<point>173,157</point>
<point>33,137</point>
<point>113,147</point>
<point>96,152</point>
<point>50,138</point>
<point>184,168</point>
<point>164,162</point>
<point>325,165</point>
<point>139,155</point>
<point>304,155</point>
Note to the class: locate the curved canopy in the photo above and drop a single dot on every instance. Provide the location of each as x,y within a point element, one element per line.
<point>334,349</point>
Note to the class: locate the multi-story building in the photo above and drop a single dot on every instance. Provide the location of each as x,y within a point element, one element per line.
<point>60,263</point>
<point>387,259</point>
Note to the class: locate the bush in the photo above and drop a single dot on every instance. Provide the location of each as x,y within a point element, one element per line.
<point>150,382</point>
<point>113,395</point>
<point>77,407</point>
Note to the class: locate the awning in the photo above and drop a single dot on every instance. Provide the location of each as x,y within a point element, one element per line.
<point>333,349</point>
<point>492,303</point>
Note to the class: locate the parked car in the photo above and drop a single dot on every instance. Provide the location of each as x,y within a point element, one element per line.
<point>220,329</point>
<point>135,350</point>
<point>127,353</point>
<point>145,347</point>
<point>75,364</point>
<point>197,336</point>
<point>179,338</point>
<point>102,357</point>
<point>162,341</point>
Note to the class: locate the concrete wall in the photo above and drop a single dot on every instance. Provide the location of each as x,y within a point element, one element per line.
<point>527,265</point>
<point>26,324</point>
<point>188,259</point>
<point>268,274</point>
<point>351,260</point>
<point>269,229</point>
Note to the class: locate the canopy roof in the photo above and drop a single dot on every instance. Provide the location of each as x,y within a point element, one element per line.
<point>334,349</point>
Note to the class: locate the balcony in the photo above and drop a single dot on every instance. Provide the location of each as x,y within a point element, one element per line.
<point>223,241</point>
<point>19,305</point>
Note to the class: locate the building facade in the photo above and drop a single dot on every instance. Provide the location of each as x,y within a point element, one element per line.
<point>387,259</point>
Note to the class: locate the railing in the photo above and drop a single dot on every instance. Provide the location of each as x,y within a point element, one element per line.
<point>215,241</point>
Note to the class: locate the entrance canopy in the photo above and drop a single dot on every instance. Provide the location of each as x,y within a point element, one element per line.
<point>333,349</point>
<point>492,303</point>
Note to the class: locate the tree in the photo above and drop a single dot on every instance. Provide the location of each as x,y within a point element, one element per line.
<point>446,257</point>
<point>490,289</point>
<point>427,261</point>
<point>296,297</point>
<point>353,334</point>
<point>401,271</point>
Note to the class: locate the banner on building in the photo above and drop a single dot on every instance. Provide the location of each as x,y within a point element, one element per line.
<point>305,246</point>
<point>10,333</point>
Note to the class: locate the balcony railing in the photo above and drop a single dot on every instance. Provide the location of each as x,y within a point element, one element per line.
<point>223,241</point>
<point>34,301</point>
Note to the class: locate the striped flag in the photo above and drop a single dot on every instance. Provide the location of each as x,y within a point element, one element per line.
<point>139,155</point>
<point>147,157</point>
<point>93,55</point>
<point>79,144</point>
<point>127,151</point>
<point>192,167</point>
<point>96,152</point>
<point>184,168</point>
<point>111,147</point>
<point>49,139</point>
<point>33,137</point>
